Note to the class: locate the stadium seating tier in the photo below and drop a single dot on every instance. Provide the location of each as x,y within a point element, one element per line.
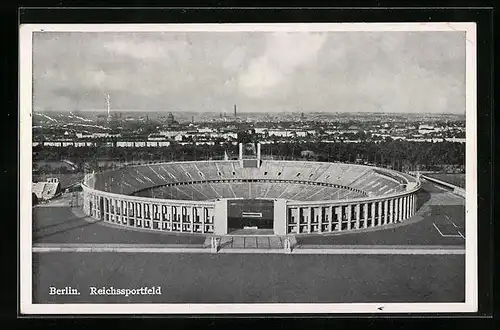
<point>296,180</point>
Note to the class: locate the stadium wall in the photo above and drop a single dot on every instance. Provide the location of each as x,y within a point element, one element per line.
<point>290,217</point>
<point>150,213</point>
<point>348,215</point>
<point>456,190</point>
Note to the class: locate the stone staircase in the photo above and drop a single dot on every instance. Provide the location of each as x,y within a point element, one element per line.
<point>251,242</point>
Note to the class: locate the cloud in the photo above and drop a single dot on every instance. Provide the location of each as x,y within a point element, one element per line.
<point>234,60</point>
<point>284,53</point>
<point>146,50</point>
<point>259,71</point>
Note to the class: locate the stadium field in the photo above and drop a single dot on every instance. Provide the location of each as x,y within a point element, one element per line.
<point>250,278</point>
<point>456,179</point>
<point>261,278</point>
<point>61,225</point>
<point>440,220</point>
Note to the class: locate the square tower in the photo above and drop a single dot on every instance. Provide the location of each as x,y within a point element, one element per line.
<point>249,154</point>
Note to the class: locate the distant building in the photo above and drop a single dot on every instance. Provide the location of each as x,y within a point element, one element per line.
<point>86,135</point>
<point>46,190</point>
<point>260,130</point>
<point>172,134</point>
<point>205,130</point>
<point>425,129</point>
<point>123,144</point>
<point>156,137</point>
<point>307,154</point>
<point>171,120</point>
<point>280,133</point>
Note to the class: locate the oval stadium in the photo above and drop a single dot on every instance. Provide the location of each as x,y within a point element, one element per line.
<point>250,196</point>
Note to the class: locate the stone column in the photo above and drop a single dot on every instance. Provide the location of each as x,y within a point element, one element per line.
<point>320,220</point>
<point>132,213</point>
<point>401,209</point>
<point>385,214</point>
<point>150,215</point>
<point>330,218</point>
<point>280,217</point>
<point>340,217</point>
<point>98,206</point>
<point>391,211</point>
<point>117,211</point>
<point>380,215</point>
<point>396,210</point>
<point>405,206</point>
<point>143,215</point>
<point>161,212</point>
<point>396,205</point>
<point>220,217</point>
<point>122,216</point>
<point>409,206</point>
<point>299,214</point>
<point>104,211</point>
<point>199,212</point>
<point>184,214</point>
<point>365,215</point>
<point>171,207</point>
<point>193,214</point>
<point>126,212</point>
<point>108,209</point>
<point>349,216</point>
<point>357,209</point>
<point>308,217</point>
<point>408,197</point>
<point>372,207</point>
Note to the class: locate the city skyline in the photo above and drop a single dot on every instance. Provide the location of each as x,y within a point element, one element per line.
<point>320,72</point>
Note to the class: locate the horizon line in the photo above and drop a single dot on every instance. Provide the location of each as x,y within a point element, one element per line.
<point>242,112</point>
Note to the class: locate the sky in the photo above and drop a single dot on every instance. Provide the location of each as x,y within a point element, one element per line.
<point>409,72</point>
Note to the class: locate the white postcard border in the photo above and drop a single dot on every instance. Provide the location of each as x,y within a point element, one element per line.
<point>27,306</point>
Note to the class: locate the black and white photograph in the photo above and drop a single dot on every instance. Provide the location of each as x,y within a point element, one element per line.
<point>248,168</point>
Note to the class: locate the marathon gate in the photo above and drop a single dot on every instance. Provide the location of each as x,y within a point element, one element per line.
<point>243,213</point>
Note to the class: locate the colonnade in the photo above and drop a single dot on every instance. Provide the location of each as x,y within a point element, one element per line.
<point>324,218</point>
<point>175,217</point>
<point>211,217</point>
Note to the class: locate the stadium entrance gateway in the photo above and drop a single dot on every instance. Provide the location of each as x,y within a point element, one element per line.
<point>259,216</point>
<point>250,214</point>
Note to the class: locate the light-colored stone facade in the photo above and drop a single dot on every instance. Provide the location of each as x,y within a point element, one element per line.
<point>291,217</point>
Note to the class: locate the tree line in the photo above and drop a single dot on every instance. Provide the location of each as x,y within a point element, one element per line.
<point>397,154</point>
